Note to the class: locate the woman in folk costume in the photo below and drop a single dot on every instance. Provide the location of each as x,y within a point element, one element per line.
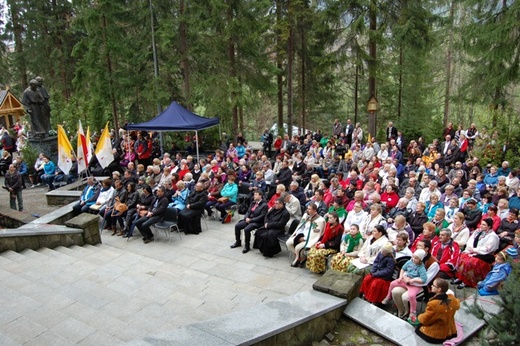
<point>327,245</point>
<point>306,234</point>
<point>369,251</point>
<point>475,262</point>
<point>375,285</point>
<point>351,243</point>
<point>374,218</point>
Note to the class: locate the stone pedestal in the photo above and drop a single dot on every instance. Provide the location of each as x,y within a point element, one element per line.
<point>89,223</point>
<point>339,284</point>
<point>47,145</point>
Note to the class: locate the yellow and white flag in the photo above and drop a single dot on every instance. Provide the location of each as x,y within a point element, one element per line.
<point>64,151</point>
<point>104,148</point>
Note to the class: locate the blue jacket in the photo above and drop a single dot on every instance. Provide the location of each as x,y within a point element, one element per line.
<point>179,202</point>
<point>413,270</point>
<point>22,168</point>
<point>498,273</point>
<point>89,196</point>
<point>383,267</point>
<point>230,191</point>
<point>49,168</point>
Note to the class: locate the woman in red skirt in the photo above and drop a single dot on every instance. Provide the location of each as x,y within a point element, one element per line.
<point>475,262</point>
<point>375,285</point>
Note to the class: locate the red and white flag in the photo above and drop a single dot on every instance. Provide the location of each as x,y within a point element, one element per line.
<point>83,150</point>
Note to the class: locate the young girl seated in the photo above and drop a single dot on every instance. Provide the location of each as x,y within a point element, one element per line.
<point>351,243</point>
<point>411,277</point>
<point>498,274</point>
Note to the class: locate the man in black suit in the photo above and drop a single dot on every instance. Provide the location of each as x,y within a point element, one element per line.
<point>154,215</point>
<point>253,219</point>
<point>391,131</point>
<point>349,129</point>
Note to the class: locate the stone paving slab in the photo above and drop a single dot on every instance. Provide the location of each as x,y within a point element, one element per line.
<point>111,287</point>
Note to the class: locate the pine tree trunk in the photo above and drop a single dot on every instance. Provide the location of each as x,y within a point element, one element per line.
<point>18,43</point>
<point>290,60</point>
<point>447,90</point>
<point>279,65</point>
<point>232,72</point>
<point>185,65</point>
<point>372,118</point>
<point>400,91</point>
<point>110,79</point>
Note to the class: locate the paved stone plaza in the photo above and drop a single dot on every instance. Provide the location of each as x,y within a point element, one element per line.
<point>121,291</point>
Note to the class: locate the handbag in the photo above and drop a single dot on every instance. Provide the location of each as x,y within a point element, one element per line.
<point>120,206</point>
<point>223,199</point>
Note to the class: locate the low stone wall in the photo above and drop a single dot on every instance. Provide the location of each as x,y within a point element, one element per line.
<point>89,223</point>
<point>80,230</point>
<point>307,332</point>
<point>49,236</point>
<point>299,319</point>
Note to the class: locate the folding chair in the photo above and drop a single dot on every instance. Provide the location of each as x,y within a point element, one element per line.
<point>168,224</point>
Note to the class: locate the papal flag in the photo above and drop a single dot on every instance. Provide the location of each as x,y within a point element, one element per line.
<point>90,151</point>
<point>82,152</point>
<point>64,151</point>
<point>104,148</point>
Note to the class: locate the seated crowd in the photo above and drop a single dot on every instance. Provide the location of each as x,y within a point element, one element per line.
<point>402,215</point>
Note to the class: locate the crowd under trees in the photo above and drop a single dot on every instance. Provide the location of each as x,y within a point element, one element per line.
<point>255,63</point>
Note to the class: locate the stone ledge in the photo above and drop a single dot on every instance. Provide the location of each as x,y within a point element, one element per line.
<point>271,323</point>
<point>56,217</point>
<point>339,284</point>
<point>38,230</point>
<point>401,332</point>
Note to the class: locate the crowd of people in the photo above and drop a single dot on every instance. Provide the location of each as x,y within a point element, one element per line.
<point>406,215</point>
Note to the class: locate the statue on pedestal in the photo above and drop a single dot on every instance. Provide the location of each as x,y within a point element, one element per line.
<point>36,102</point>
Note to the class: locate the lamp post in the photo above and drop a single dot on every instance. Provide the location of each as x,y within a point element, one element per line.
<point>372,106</point>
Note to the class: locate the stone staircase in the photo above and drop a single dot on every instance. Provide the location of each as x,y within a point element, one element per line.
<point>88,295</point>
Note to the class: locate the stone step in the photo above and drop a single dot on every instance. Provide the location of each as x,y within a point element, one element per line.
<point>13,256</point>
<point>401,332</point>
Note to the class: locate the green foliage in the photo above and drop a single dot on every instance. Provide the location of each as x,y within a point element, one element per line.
<point>29,154</point>
<point>96,58</point>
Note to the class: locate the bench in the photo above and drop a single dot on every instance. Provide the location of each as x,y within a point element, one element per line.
<point>295,320</point>
<point>68,193</point>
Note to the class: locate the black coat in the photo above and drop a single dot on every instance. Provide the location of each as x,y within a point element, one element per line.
<point>258,215</point>
<point>160,208</point>
<point>284,177</point>
<point>197,201</point>
<point>277,219</point>
<point>416,222</point>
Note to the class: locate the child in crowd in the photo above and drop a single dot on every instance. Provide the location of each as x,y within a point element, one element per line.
<point>498,274</point>
<point>411,277</point>
<point>351,243</point>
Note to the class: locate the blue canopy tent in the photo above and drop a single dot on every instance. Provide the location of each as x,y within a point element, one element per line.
<point>177,118</point>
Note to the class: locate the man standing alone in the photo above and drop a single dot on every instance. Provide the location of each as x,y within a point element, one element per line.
<point>13,184</point>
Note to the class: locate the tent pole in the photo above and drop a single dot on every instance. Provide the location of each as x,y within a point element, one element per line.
<point>197,144</point>
<point>220,131</point>
<point>162,142</point>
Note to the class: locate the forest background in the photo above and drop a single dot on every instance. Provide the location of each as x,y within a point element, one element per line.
<point>253,63</point>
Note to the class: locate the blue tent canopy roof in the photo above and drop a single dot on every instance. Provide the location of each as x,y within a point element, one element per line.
<point>176,118</point>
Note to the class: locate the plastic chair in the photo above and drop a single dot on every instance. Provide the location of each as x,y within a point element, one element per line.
<point>168,224</point>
